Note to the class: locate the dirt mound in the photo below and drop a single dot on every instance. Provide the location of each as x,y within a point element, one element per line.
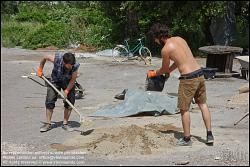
<point>126,141</point>
<point>239,99</point>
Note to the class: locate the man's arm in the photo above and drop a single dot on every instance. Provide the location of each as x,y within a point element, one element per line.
<point>172,67</point>
<point>165,63</point>
<point>72,81</point>
<point>46,57</point>
<point>42,63</point>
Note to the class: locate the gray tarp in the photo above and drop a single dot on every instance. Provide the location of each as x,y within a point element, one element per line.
<point>139,101</point>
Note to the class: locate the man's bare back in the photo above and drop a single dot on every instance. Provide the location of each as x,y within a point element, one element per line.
<point>178,50</point>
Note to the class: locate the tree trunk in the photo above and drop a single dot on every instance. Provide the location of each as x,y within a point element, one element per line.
<point>223,28</point>
<point>231,23</point>
<point>207,32</point>
<point>132,27</point>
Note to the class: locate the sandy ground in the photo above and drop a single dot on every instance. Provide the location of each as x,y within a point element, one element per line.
<point>140,140</point>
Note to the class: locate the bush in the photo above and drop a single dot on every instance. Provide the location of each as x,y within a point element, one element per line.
<point>59,27</point>
<point>97,36</point>
<point>32,16</point>
<point>52,33</point>
<point>29,14</point>
<point>62,15</point>
<point>242,36</point>
<point>14,34</point>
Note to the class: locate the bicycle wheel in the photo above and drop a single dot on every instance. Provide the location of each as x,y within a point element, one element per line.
<point>145,55</point>
<point>120,53</point>
<point>78,91</point>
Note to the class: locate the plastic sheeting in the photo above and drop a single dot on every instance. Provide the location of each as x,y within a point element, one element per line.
<point>139,101</point>
<point>107,53</point>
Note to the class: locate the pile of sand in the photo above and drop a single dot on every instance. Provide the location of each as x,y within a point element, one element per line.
<point>239,99</point>
<point>125,141</point>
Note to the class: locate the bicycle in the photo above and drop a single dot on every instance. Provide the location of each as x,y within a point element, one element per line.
<point>122,53</point>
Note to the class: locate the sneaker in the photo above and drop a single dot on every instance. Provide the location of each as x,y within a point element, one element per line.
<point>46,127</point>
<point>210,139</point>
<point>182,142</point>
<point>67,128</point>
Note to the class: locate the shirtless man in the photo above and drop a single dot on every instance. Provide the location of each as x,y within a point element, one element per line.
<point>192,83</point>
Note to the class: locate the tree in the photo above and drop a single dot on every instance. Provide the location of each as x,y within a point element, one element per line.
<point>9,7</point>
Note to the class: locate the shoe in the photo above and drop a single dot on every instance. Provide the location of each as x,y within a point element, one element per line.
<point>182,142</point>
<point>67,128</point>
<point>210,139</point>
<point>121,96</point>
<point>46,127</point>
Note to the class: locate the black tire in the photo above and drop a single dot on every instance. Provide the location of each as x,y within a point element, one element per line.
<point>120,53</point>
<point>145,55</point>
<point>78,91</point>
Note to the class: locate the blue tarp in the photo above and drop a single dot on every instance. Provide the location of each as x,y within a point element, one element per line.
<point>139,101</point>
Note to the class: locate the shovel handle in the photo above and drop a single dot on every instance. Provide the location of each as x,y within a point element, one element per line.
<point>60,93</point>
<point>241,119</point>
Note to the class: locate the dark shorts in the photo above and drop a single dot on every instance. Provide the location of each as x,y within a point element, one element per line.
<point>52,95</point>
<point>191,88</point>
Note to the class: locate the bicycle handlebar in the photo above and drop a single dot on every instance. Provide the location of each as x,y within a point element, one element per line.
<point>139,39</point>
<point>127,39</point>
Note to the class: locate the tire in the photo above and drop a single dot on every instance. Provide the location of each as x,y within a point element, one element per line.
<point>245,73</point>
<point>120,53</point>
<point>145,55</point>
<point>78,91</point>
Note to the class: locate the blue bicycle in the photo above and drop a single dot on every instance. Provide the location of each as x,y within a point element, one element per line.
<point>122,53</point>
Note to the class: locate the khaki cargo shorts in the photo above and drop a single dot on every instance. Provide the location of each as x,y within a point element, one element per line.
<point>189,89</point>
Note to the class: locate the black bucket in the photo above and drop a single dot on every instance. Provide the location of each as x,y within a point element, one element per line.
<point>156,83</point>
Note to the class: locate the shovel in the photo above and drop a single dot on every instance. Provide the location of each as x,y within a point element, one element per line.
<point>83,120</point>
<point>241,118</point>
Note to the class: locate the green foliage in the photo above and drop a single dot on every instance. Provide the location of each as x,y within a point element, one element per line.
<point>98,36</point>
<point>28,13</point>
<point>215,8</point>
<point>103,24</point>
<point>242,38</point>
<point>51,33</point>
<point>60,27</point>
<point>62,14</point>
<point>14,34</point>
<point>242,26</point>
<point>8,7</point>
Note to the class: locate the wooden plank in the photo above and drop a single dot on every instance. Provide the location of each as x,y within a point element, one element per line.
<point>220,50</point>
<point>229,63</point>
<point>226,75</point>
